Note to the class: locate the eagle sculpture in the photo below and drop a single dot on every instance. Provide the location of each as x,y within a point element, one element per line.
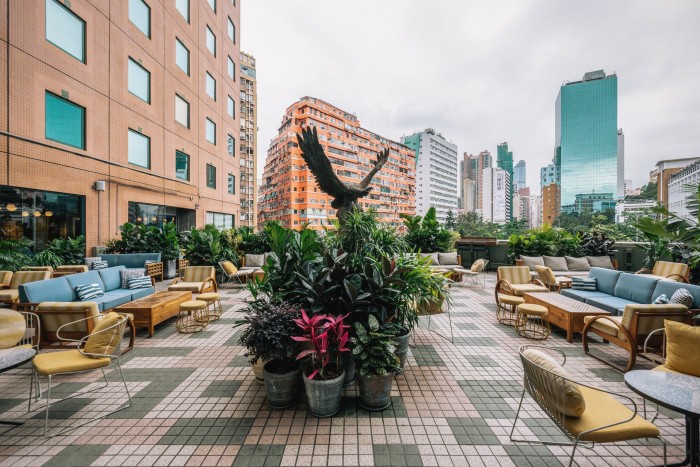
<point>345,194</point>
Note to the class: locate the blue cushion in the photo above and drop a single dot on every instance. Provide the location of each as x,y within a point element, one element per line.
<point>611,304</point>
<point>583,295</point>
<point>111,299</point>
<point>635,287</point>
<point>140,293</point>
<point>111,277</point>
<point>665,287</point>
<point>89,291</point>
<point>85,278</point>
<point>606,279</point>
<point>50,290</point>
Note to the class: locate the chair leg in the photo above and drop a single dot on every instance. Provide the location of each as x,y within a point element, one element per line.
<point>121,373</point>
<point>573,452</point>
<point>517,414</point>
<point>48,403</point>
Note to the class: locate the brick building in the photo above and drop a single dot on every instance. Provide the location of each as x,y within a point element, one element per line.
<point>249,141</point>
<point>288,192</point>
<point>117,111</point>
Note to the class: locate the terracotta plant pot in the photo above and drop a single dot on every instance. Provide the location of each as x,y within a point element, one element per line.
<point>258,371</point>
<point>324,396</point>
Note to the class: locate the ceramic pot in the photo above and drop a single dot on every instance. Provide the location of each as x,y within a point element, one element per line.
<point>324,396</point>
<point>282,387</point>
<point>375,391</point>
<point>349,367</point>
<point>258,371</point>
<point>401,347</point>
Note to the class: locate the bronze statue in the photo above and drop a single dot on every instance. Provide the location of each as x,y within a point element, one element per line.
<point>345,195</point>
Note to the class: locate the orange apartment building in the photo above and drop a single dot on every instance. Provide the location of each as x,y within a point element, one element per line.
<point>550,203</point>
<point>289,194</point>
<point>116,111</point>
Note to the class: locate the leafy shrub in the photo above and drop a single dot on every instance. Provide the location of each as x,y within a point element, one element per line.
<point>206,247</point>
<point>268,330</point>
<point>373,349</point>
<point>545,241</point>
<point>69,250</point>
<point>47,258</point>
<point>325,338</point>
<point>595,243</point>
<point>141,238</point>
<point>425,233</point>
<point>253,243</point>
<point>14,254</point>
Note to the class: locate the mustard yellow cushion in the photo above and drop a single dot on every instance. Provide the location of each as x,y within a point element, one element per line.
<point>604,325</point>
<point>52,363</point>
<point>12,328</point>
<point>9,295</point>
<point>186,287</point>
<point>569,400</point>
<point>682,343</point>
<point>104,343</point>
<point>229,267</point>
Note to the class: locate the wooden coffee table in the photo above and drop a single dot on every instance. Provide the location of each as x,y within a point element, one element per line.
<point>564,312</point>
<point>154,309</point>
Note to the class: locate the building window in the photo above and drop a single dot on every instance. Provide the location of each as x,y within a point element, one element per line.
<point>64,121</point>
<point>220,220</point>
<point>40,215</point>
<point>212,4</point>
<point>211,41</point>
<point>231,184</point>
<point>183,6</point>
<point>231,107</point>
<point>140,16</point>
<point>211,176</point>
<point>231,31</point>
<point>65,30</point>
<point>231,69</point>
<point>211,86</point>
<point>182,165</point>
<point>139,81</point>
<point>154,214</point>
<point>182,111</point>
<point>231,146</point>
<point>211,131</point>
<point>182,56</point>
<point>139,149</point>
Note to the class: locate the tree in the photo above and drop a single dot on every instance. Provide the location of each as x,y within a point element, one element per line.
<point>472,224</point>
<point>450,223</point>
<point>648,192</point>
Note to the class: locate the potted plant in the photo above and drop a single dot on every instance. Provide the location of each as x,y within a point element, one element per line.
<point>374,352</point>
<point>169,246</point>
<point>325,337</point>
<point>268,338</point>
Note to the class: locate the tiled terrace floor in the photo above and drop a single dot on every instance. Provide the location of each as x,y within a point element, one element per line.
<point>196,403</point>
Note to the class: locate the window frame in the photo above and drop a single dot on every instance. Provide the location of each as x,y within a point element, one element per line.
<point>212,5</point>
<point>82,22</point>
<point>189,121</point>
<point>180,153</point>
<point>206,85</point>
<point>211,182</point>
<point>208,120</point>
<point>231,107</point>
<point>128,85</point>
<point>207,33</point>
<point>189,5</point>
<point>231,185</point>
<point>148,154</point>
<point>231,146</point>
<point>231,28</point>
<point>148,34</point>
<point>83,123</point>
<point>231,69</point>
<point>178,41</point>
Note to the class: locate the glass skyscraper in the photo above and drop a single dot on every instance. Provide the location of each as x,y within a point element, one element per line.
<point>586,136</point>
<point>504,161</point>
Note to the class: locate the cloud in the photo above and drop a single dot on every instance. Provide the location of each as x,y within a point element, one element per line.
<point>482,72</point>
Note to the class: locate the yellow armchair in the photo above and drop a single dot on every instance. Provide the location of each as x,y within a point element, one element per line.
<point>196,279</point>
<point>678,272</point>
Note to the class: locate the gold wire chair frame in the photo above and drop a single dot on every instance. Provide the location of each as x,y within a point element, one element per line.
<point>534,327</point>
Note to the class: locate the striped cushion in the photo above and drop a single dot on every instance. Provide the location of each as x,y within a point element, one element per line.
<point>661,300</point>
<point>682,297</point>
<point>127,274</point>
<point>667,268</point>
<point>99,265</point>
<point>23,277</point>
<point>91,259</point>
<point>89,291</point>
<point>514,274</point>
<point>546,275</point>
<point>198,273</point>
<point>149,261</point>
<point>584,283</point>
<point>139,282</point>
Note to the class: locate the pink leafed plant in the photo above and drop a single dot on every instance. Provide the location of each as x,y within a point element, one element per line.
<point>326,337</point>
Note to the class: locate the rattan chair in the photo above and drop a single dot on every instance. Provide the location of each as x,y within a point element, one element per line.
<point>604,419</point>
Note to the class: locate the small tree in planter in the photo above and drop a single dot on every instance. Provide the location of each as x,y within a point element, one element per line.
<point>374,352</point>
<point>326,337</point>
<point>268,338</point>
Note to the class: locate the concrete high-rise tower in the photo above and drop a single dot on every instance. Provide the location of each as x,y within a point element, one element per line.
<point>587,137</point>
<point>248,147</point>
<point>436,172</point>
<point>519,176</point>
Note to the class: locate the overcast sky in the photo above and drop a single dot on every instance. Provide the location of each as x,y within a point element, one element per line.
<point>482,72</point>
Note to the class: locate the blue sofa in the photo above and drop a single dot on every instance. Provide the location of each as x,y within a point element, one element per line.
<point>130,260</point>
<point>615,290</point>
<point>62,289</point>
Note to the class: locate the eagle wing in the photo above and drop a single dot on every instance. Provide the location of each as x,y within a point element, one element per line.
<point>320,166</point>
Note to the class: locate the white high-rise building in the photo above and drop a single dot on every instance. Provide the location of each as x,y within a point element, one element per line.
<point>519,176</point>
<point>535,212</point>
<point>496,195</point>
<point>678,194</point>
<point>437,180</point>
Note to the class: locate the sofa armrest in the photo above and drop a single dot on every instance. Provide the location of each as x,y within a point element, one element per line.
<point>211,281</point>
<point>644,271</point>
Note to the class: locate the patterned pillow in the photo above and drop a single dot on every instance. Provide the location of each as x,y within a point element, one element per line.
<point>661,300</point>
<point>99,265</point>
<point>682,297</point>
<point>89,291</point>
<point>91,259</point>
<point>140,282</point>
<point>149,261</point>
<point>584,283</point>
<point>129,273</point>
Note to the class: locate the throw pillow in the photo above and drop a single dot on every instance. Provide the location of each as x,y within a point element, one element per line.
<point>149,261</point>
<point>104,343</point>
<point>99,265</point>
<point>141,282</point>
<point>478,265</point>
<point>229,267</point>
<point>532,261</point>
<point>577,264</point>
<point>600,262</point>
<point>661,300</point>
<point>89,291</point>
<point>127,274</point>
<point>546,275</point>
<point>254,261</point>
<point>682,342</point>
<point>448,258</point>
<point>682,297</point>
<point>434,260</point>
<point>91,259</point>
<point>567,396</point>
<point>584,283</point>
<point>555,263</point>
